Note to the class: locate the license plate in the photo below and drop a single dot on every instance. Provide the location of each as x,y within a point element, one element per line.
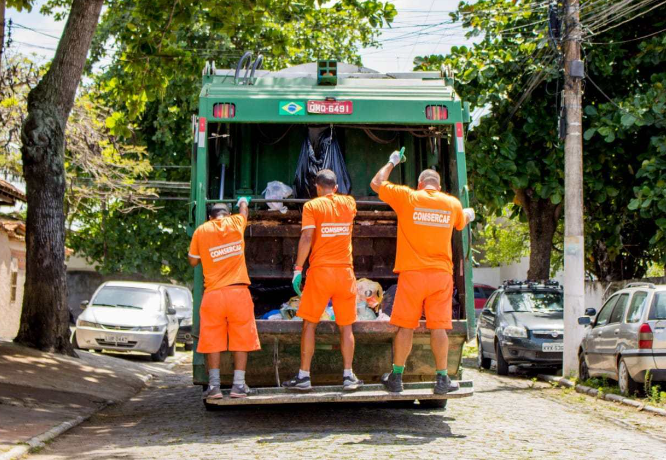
<point>116,338</point>
<point>553,347</point>
<point>331,107</point>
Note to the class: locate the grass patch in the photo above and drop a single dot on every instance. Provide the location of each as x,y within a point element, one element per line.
<point>470,350</point>
<point>654,395</point>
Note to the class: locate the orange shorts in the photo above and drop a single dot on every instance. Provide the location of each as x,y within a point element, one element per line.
<point>227,321</point>
<point>419,290</point>
<point>329,283</point>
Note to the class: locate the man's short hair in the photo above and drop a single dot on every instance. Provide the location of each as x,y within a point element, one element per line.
<point>218,210</point>
<point>326,178</point>
<point>430,177</point>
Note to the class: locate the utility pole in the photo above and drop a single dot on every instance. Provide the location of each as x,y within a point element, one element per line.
<point>3,4</point>
<point>574,243</point>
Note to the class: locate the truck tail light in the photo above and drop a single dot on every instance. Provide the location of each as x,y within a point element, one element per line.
<point>645,337</point>
<point>437,112</point>
<point>224,110</point>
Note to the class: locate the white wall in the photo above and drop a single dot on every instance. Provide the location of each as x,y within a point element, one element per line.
<point>10,312</point>
<point>495,276</point>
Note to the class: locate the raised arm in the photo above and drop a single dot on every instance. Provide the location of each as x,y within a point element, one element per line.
<point>384,173</point>
<point>243,208</point>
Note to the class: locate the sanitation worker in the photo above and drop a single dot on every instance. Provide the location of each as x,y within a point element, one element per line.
<point>227,311</point>
<point>326,235</point>
<point>426,219</point>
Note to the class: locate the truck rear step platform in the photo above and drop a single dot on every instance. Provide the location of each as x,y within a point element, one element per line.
<point>334,393</point>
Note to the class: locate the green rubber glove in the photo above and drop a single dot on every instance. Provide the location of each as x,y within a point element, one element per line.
<point>296,282</point>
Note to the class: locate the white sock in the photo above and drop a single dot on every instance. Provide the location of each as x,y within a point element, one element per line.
<point>347,373</point>
<point>302,373</point>
<point>239,377</point>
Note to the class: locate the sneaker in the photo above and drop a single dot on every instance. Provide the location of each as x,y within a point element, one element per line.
<point>240,391</point>
<point>212,393</point>
<point>351,383</point>
<point>444,385</point>
<point>392,382</point>
<point>298,383</point>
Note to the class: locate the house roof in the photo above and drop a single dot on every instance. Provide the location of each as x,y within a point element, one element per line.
<point>14,228</point>
<point>9,194</point>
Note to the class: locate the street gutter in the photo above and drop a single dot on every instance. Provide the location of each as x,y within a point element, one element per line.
<point>561,381</point>
<point>39,442</point>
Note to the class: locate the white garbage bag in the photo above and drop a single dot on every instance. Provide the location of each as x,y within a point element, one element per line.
<point>277,190</point>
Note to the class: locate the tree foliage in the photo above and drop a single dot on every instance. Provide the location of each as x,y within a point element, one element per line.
<point>153,82</point>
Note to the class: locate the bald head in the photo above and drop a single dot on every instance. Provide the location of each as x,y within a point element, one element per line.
<point>430,177</point>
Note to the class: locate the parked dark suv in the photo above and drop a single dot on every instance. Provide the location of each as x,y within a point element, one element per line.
<point>522,323</point>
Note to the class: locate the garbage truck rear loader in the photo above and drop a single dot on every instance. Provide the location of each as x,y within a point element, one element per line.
<point>251,129</point>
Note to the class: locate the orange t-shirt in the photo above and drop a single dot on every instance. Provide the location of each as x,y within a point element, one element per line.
<point>332,217</point>
<point>220,245</point>
<point>426,219</point>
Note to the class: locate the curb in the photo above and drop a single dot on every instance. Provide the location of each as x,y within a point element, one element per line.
<point>40,441</point>
<point>561,381</point>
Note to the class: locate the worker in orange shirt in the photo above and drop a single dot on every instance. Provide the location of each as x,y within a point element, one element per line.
<point>326,230</point>
<point>426,219</point>
<point>227,311</point>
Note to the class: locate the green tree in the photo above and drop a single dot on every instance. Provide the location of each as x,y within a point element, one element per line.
<point>515,153</point>
<point>159,50</point>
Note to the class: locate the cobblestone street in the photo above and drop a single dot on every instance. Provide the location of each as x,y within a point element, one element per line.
<point>507,418</point>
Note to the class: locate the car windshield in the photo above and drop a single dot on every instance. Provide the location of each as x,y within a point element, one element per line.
<point>534,302</point>
<point>659,308</point>
<point>127,297</point>
<point>180,298</point>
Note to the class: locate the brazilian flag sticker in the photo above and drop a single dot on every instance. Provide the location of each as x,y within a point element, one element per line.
<point>292,108</point>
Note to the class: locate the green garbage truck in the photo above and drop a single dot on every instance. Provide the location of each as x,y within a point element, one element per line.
<point>250,129</point>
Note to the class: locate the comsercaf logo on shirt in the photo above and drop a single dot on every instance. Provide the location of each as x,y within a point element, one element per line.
<point>226,250</point>
<point>432,217</point>
<point>330,230</point>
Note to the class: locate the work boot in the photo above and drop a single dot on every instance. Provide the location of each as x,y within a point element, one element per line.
<point>240,391</point>
<point>351,383</point>
<point>213,393</point>
<point>298,383</point>
<point>444,385</point>
<point>392,382</point>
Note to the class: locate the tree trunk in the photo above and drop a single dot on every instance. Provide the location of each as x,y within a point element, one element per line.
<point>3,5</point>
<point>542,217</point>
<point>45,315</point>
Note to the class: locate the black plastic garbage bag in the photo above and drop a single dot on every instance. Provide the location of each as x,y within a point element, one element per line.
<point>327,156</point>
<point>307,168</point>
<point>333,160</point>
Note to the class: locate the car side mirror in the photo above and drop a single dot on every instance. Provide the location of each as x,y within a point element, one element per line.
<point>84,304</point>
<point>487,312</point>
<point>585,320</point>
<point>590,312</point>
<point>171,311</point>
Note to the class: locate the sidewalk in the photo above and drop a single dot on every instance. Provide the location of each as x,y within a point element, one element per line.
<point>40,391</point>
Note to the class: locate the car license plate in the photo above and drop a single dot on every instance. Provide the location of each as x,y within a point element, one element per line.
<point>553,347</point>
<point>331,107</point>
<point>116,338</point>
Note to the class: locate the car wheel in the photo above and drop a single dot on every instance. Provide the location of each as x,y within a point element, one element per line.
<point>433,403</point>
<point>172,349</point>
<point>163,352</point>
<point>583,371</point>
<point>189,346</point>
<point>481,361</point>
<point>628,386</point>
<point>502,364</point>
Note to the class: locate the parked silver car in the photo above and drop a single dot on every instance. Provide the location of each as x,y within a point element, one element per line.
<point>626,340</point>
<point>181,298</point>
<point>128,316</point>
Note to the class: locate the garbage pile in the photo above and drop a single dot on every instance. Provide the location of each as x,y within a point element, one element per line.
<point>368,305</point>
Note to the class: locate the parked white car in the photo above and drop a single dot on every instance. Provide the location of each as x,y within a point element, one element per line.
<point>128,316</point>
<point>626,340</point>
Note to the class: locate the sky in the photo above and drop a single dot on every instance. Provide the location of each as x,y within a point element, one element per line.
<point>417,30</point>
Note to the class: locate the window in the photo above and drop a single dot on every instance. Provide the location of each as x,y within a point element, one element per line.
<point>488,291</point>
<point>478,293</point>
<point>606,310</point>
<point>637,306</point>
<point>167,300</point>
<point>533,302</point>
<point>492,303</point>
<point>13,286</point>
<point>127,297</point>
<point>658,307</point>
<point>620,308</point>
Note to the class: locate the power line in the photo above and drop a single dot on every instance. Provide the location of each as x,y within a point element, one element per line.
<point>629,41</point>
